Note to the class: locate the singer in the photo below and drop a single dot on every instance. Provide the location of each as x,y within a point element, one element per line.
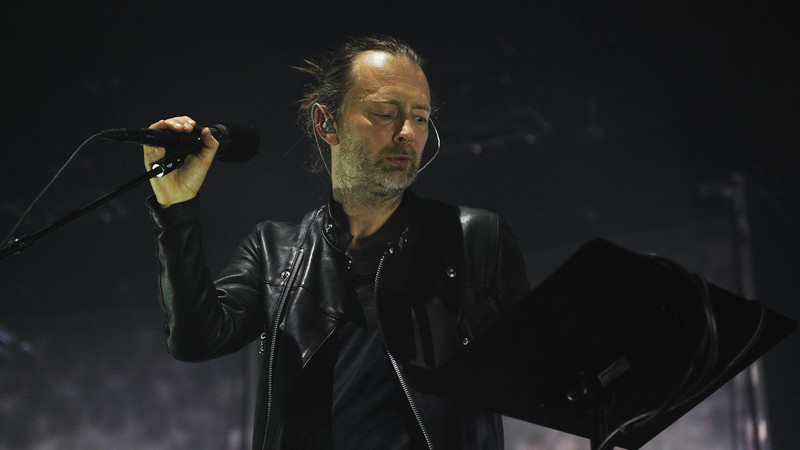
<point>364,291</point>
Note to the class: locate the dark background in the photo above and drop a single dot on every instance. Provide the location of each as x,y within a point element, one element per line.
<point>546,110</point>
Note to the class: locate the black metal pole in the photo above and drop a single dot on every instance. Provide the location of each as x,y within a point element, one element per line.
<point>17,244</point>
<point>599,427</point>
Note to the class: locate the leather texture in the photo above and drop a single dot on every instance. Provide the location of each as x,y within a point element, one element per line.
<point>458,269</point>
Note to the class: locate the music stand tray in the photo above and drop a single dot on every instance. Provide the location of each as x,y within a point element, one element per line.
<point>614,346</point>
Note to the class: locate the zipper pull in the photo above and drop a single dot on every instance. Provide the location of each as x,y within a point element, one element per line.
<point>401,242</point>
<point>261,345</point>
<point>403,239</point>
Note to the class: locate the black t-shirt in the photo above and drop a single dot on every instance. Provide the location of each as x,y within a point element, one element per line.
<point>355,399</point>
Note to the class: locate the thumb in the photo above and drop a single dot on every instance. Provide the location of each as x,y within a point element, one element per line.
<point>210,144</point>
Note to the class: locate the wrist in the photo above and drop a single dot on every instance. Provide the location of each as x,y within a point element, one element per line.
<point>164,202</point>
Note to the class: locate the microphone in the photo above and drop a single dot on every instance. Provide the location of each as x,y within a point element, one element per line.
<point>238,141</point>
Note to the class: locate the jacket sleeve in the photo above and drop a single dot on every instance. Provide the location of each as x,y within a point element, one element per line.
<point>501,271</point>
<point>510,283</point>
<point>203,320</point>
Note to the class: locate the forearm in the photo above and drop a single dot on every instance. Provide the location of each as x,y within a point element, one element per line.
<point>198,324</point>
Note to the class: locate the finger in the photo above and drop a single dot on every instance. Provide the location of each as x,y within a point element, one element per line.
<point>160,124</point>
<point>209,141</point>
<point>153,154</point>
<point>179,123</point>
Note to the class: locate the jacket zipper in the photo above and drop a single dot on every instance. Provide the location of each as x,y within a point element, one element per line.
<point>393,361</point>
<point>273,342</point>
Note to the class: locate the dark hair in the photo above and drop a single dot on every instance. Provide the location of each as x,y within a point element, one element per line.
<point>332,78</point>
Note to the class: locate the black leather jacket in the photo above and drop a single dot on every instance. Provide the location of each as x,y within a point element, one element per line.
<point>457,270</point>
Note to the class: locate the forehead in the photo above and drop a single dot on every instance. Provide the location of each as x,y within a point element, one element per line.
<point>381,76</point>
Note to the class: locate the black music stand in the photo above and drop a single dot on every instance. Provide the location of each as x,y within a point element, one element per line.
<point>614,346</point>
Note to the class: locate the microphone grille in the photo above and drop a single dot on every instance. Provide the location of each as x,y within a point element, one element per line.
<point>238,141</point>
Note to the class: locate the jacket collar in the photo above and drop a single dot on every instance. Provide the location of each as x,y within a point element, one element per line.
<point>336,231</point>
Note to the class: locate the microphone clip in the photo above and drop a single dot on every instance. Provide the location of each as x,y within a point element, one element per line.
<point>167,165</point>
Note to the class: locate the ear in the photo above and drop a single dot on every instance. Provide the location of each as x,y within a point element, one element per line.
<point>324,125</point>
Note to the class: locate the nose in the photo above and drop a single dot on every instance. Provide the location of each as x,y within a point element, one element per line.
<point>406,134</point>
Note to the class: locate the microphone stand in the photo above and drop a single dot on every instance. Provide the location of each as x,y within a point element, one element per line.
<point>159,169</point>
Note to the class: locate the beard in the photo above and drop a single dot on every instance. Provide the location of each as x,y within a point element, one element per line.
<point>359,170</point>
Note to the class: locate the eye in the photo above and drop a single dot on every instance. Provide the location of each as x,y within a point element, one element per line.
<point>383,116</point>
<point>422,120</point>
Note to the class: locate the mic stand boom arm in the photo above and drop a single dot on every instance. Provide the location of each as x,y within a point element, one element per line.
<point>159,169</point>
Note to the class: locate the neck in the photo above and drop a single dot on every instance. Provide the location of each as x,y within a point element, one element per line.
<point>366,212</point>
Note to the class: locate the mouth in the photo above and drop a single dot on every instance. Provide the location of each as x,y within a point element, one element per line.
<point>399,160</point>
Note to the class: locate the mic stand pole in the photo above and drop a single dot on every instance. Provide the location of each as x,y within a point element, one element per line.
<point>159,169</point>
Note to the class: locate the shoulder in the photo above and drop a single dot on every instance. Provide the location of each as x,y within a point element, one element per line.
<point>284,231</point>
<point>478,219</point>
<point>470,218</point>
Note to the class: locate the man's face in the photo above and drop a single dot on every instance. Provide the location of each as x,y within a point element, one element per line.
<point>383,126</point>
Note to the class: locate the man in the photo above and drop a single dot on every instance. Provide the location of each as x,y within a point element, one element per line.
<point>365,290</point>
